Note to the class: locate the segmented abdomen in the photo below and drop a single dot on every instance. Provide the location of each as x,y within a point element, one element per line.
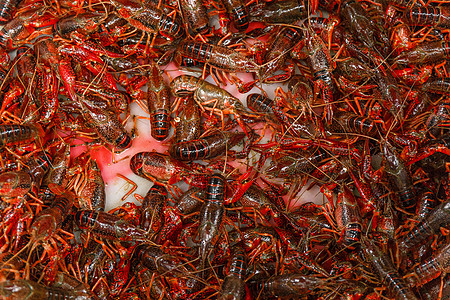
<point>427,271</point>
<point>438,217</point>
<point>407,198</point>
<point>11,134</point>
<point>63,204</point>
<point>426,203</point>
<point>109,226</point>
<point>362,125</point>
<point>215,191</point>
<point>171,26</point>
<point>259,103</point>
<point>7,8</point>
<point>206,147</point>
<point>352,234</point>
<point>192,150</point>
<point>160,124</point>
<point>198,51</point>
<point>240,17</point>
<point>397,286</point>
<point>438,85</point>
<point>434,16</point>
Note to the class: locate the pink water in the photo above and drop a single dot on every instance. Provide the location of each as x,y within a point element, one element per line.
<point>114,164</point>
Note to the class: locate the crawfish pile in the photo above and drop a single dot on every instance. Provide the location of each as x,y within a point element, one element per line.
<point>360,112</point>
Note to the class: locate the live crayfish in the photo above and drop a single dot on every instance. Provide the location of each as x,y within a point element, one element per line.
<point>363,120</point>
